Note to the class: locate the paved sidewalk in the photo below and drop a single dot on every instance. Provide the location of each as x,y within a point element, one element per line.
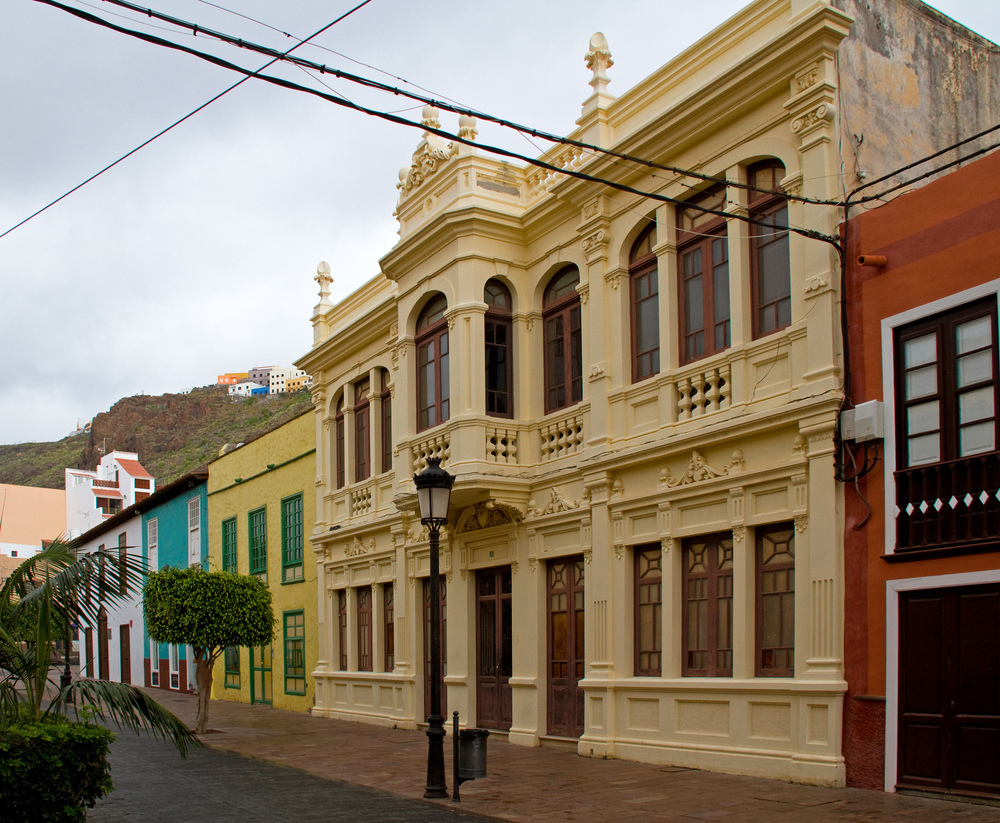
<point>542,785</point>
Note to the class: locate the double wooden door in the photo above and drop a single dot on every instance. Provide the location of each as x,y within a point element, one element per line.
<point>260,673</point>
<point>949,691</point>
<point>494,648</point>
<point>565,646</point>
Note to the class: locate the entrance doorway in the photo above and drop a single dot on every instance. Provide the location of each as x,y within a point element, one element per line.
<point>565,647</point>
<point>125,644</point>
<point>427,647</point>
<point>102,645</point>
<point>949,691</point>
<point>494,658</point>
<point>260,673</point>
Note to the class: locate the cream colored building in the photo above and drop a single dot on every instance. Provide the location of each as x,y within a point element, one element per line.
<point>637,390</point>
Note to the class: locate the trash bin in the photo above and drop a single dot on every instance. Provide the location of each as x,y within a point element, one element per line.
<point>472,753</point>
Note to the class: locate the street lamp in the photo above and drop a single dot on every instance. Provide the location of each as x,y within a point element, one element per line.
<point>434,496</point>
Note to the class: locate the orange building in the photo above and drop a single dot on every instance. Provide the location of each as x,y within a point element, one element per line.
<point>922,536</point>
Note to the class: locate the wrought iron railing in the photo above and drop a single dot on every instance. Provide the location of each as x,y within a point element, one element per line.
<point>942,504</point>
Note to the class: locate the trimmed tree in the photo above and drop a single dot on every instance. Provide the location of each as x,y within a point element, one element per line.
<point>209,611</point>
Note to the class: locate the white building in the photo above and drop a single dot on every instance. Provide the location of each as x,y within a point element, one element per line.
<point>94,496</point>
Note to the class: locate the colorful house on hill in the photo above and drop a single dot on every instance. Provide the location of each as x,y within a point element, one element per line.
<point>638,388</point>
<point>92,496</point>
<point>260,498</point>
<point>174,534</point>
<point>922,541</point>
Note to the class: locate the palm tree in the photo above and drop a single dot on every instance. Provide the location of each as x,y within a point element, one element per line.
<point>43,596</point>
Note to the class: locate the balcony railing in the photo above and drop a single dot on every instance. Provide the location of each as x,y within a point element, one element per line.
<point>501,445</point>
<point>952,503</point>
<point>561,436</point>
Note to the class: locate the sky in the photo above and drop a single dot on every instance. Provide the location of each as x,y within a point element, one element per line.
<point>196,255</point>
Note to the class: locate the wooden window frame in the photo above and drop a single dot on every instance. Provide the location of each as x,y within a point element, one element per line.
<point>294,658</point>
<point>765,207</point>
<point>647,594</point>
<point>703,236</point>
<point>433,354</point>
<point>785,601</point>
<point>943,325</point>
<point>715,577</point>
<point>292,539</point>
<point>386,444</point>
<point>230,546</point>
<point>563,387</point>
<point>342,628</point>
<point>257,542</point>
<point>362,430</point>
<point>364,612</point>
<point>122,565</point>
<point>642,271</point>
<point>499,336</point>
<point>340,444</point>
<point>388,628</point>
<point>231,664</point>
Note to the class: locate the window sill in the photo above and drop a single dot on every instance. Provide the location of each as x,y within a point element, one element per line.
<point>950,550</point>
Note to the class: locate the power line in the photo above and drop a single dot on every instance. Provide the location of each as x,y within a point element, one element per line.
<point>454,108</point>
<point>392,118</point>
<point>187,116</point>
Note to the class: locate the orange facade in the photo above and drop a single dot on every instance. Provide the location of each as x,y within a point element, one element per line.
<point>923,341</point>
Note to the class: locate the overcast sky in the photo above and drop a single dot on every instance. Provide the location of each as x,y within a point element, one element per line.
<point>196,256</point>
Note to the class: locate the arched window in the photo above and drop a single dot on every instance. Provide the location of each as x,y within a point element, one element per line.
<point>645,306</point>
<point>339,445</point>
<point>433,396</point>
<point>703,271</point>
<point>362,430</point>
<point>563,343</point>
<point>499,327</point>
<point>386,422</point>
<point>769,264</point>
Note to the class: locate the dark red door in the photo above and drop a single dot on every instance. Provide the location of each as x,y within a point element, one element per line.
<point>566,656</point>
<point>88,642</point>
<point>427,647</point>
<point>102,645</point>
<point>949,691</point>
<point>494,658</point>
<point>125,640</point>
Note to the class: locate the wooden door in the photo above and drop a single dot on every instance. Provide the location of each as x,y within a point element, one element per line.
<point>494,658</point>
<point>88,645</point>
<point>125,644</point>
<point>427,647</point>
<point>949,691</point>
<point>102,645</point>
<point>260,674</point>
<point>565,646</point>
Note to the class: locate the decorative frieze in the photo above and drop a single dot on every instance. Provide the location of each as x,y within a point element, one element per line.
<point>557,503</point>
<point>489,514</point>
<point>358,547</point>
<point>700,470</point>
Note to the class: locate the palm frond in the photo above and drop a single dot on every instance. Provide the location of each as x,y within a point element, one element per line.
<point>127,707</point>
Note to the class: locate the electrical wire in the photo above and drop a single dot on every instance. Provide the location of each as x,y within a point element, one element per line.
<point>174,124</point>
<point>374,84</point>
<point>392,118</point>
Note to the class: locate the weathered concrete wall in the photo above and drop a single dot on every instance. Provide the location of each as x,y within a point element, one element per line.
<point>912,81</point>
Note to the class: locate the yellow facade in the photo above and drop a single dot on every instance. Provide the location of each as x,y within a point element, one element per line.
<point>272,478</point>
<point>571,498</point>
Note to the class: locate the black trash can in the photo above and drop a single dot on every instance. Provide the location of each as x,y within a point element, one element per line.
<point>472,753</point>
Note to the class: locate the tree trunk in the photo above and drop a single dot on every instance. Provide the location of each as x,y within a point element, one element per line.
<point>203,676</point>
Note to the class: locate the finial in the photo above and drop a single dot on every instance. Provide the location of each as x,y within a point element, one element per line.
<point>599,61</point>
<point>467,127</point>
<point>324,279</point>
<point>430,118</point>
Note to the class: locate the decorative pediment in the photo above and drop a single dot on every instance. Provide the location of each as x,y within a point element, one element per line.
<point>359,547</point>
<point>489,514</point>
<point>700,470</point>
<point>557,503</point>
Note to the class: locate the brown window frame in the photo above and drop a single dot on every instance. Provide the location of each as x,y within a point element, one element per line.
<point>705,233</point>
<point>122,564</point>
<point>388,628</point>
<point>342,627</point>
<point>766,207</point>
<point>714,576</point>
<point>943,326</point>
<point>782,572</point>
<point>644,290</point>
<point>363,610</point>
<point>561,306</point>
<point>499,334</point>
<point>386,397</point>
<point>648,599</point>
<point>362,430</point>
<point>433,354</point>
<point>340,445</point>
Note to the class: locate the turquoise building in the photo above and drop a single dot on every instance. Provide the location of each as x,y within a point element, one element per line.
<point>175,534</point>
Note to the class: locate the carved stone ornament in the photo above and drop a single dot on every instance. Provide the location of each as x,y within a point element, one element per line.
<point>358,547</point>
<point>431,152</point>
<point>492,513</point>
<point>599,61</point>
<point>533,563</point>
<point>807,78</point>
<point>699,470</point>
<point>817,284</point>
<point>801,522</point>
<point>619,550</point>
<point>588,555</point>
<point>556,504</point>
<point>816,116</point>
<point>739,533</point>
<point>594,241</point>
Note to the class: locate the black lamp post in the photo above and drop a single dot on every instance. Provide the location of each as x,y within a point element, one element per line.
<point>434,496</point>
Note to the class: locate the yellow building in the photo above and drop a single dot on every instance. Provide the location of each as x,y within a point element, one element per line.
<point>635,379</point>
<point>261,505</point>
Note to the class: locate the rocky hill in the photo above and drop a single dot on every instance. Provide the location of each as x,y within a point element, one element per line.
<point>172,434</point>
